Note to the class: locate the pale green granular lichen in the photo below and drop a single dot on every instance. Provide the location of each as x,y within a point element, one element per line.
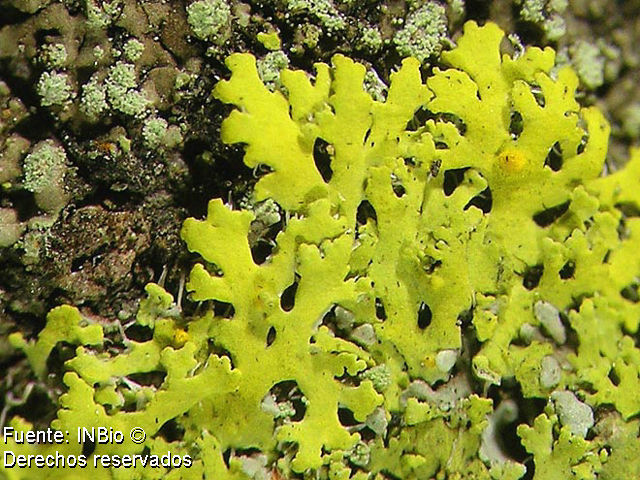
<point>323,10</point>
<point>208,18</point>
<point>533,11</point>
<point>34,242</point>
<point>121,90</point>
<point>279,410</point>
<point>589,63</point>
<point>46,163</point>
<point>101,13</point>
<point>53,55</point>
<point>285,410</point>
<point>380,376</point>
<point>122,76</point>
<point>374,86</point>
<point>133,49</point>
<point>54,89</point>
<point>370,39</point>
<point>310,35</point>
<point>93,101</point>
<point>269,67</point>
<point>267,212</point>
<point>96,17</point>
<point>613,60</point>
<point>44,175</point>
<point>545,14</point>
<point>423,33</point>
<point>154,132</point>
<point>360,454</point>
<point>98,52</point>
<point>173,137</point>
<point>457,8</point>
<point>558,5</point>
<point>555,27</point>
<point>183,79</point>
<point>132,103</point>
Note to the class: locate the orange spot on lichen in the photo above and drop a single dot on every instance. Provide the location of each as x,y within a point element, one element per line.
<point>180,337</point>
<point>512,160</point>
<point>107,148</point>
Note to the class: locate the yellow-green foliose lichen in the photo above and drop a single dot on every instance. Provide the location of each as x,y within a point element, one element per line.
<point>459,237</point>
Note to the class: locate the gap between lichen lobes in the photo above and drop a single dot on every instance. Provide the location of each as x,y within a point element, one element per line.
<point>435,215</point>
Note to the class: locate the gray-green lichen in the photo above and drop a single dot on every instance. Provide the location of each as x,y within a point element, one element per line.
<point>121,90</point>
<point>133,50</point>
<point>491,450</point>
<point>577,415</point>
<point>101,14</point>
<point>323,10</point>
<point>359,455</point>
<point>589,63</point>
<point>279,410</point>
<point>44,173</point>
<point>53,55</point>
<point>374,86</point>
<point>209,19</point>
<point>550,372</point>
<point>596,63</point>
<point>377,421</point>
<point>255,466</point>
<point>380,377</point>
<point>47,161</point>
<point>154,132</point>
<point>549,318</point>
<point>424,32</point>
<point>546,14</point>
<point>269,68</point>
<point>370,39</point>
<point>93,101</point>
<point>364,335</point>
<point>54,89</point>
